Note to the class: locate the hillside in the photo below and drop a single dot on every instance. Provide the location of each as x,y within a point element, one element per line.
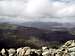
<point>18,36</point>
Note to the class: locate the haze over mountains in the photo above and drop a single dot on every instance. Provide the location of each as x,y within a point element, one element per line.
<point>46,25</point>
<point>12,35</point>
<point>34,33</point>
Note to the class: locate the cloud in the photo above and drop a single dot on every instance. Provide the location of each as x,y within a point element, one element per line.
<point>36,8</point>
<point>32,10</point>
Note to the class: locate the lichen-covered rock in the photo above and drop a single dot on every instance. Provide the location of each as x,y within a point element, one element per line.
<point>72,53</point>
<point>44,48</point>
<point>11,52</point>
<point>68,49</point>
<point>3,52</point>
<point>18,50</point>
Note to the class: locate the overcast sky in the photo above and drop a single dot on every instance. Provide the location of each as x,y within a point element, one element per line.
<point>37,10</point>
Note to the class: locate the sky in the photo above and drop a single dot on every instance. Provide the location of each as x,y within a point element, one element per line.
<point>19,11</point>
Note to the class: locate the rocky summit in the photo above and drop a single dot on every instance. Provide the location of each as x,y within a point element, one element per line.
<point>68,49</point>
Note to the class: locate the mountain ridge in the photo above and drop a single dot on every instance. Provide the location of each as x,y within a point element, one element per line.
<point>19,36</point>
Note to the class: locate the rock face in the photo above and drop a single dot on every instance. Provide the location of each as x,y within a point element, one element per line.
<point>68,49</point>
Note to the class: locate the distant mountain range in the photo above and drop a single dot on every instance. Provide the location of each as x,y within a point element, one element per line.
<point>12,35</point>
<point>49,25</point>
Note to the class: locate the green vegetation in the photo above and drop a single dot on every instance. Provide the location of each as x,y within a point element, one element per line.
<point>7,26</point>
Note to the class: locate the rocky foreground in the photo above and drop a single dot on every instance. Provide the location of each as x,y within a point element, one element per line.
<point>68,49</point>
